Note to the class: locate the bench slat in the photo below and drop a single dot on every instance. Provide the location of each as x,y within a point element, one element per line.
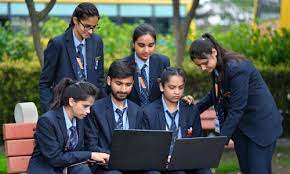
<point>19,147</point>
<point>14,131</point>
<point>17,164</point>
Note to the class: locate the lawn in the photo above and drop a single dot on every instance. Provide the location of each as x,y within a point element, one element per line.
<point>228,164</point>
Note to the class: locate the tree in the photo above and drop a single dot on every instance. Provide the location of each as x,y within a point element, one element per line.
<point>35,18</point>
<point>181,29</point>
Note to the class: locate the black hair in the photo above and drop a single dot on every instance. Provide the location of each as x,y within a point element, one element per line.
<point>68,88</point>
<point>84,11</point>
<point>121,69</point>
<point>171,71</point>
<point>141,30</point>
<point>201,48</point>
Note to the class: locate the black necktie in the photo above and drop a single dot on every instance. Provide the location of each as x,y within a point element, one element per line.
<point>144,86</point>
<point>73,138</point>
<point>173,127</point>
<point>119,123</point>
<point>81,64</point>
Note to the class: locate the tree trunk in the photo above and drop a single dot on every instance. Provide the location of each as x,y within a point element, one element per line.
<point>35,18</point>
<point>36,41</point>
<point>181,29</point>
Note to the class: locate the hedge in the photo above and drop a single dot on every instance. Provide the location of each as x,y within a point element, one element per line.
<point>19,83</point>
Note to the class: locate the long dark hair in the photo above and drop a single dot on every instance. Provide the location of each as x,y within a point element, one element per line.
<point>171,71</point>
<point>68,88</point>
<point>84,11</point>
<point>141,30</point>
<point>202,47</point>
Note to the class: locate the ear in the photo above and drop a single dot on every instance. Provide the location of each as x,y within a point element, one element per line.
<point>75,20</point>
<point>109,81</point>
<point>214,52</point>
<point>71,101</point>
<point>161,87</point>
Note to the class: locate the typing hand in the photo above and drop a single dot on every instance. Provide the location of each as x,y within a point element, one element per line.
<point>100,157</point>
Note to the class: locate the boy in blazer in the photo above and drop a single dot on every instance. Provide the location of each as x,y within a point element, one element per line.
<point>112,112</point>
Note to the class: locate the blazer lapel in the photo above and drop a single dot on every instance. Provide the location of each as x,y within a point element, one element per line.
<point>71,50</point>
<point>80,128</point>
<point>62,125</point>
<point>110,119</point>
<point>153,74</point>
<point>182,120</point>
<point>131,114</point>
<point>136,75</point>
<point>161,116</point>
<point>89,55</point>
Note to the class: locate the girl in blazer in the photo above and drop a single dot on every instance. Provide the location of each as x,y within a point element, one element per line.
<point>149,65</point>
<point>169,112</point>
<point>245,108</point>
<point>59,136</point>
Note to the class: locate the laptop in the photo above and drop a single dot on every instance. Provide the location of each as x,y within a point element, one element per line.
<point>199,152</point>
<point>139,150</point>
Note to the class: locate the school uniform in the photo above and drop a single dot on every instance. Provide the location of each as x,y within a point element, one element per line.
<point>66,56</point>
<point>54,147</point>
<point>155,116</point>
<point>247,113</point>
<point>154,67</point>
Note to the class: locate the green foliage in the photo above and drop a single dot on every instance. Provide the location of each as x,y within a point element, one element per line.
<point>18,83</point>
<point>14,45</point>
<point>53,27</point>
<point>269,48</point>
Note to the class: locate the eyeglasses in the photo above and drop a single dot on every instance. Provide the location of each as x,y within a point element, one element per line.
<point>89,27</point>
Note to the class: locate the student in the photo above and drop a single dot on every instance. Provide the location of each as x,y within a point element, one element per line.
<point>114,111</point>
<point>149,65</point>
<point>77,54</point>
<point>59,136</point>
<point>169,112</point>
<point>246,110</point>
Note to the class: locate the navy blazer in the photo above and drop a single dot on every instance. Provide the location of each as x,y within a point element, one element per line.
<point>157,63</point>
<point>153,118</point>
<point>101,123</point>
<point>60,61</point>
<point>50,153</point>
<point>248,103</point>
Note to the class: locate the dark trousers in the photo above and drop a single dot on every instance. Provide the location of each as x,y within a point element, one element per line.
<point>252,157</point>
<point>79,169</point>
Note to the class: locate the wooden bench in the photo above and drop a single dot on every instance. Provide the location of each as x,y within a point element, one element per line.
<point>19,144</point>
<point>207,123</point>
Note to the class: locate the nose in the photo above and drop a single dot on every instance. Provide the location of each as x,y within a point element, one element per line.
<point>177,90</point>
<point>146,49</point>
<point>90,31</point>
<point>88,110</point>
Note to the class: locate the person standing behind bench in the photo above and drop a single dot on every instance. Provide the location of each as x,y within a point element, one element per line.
<point>245,108</point>
<point>149,65</point>
<point>113,112</point>
<point>59,135</point>
<point>169,112</point>
<point>77,54</point>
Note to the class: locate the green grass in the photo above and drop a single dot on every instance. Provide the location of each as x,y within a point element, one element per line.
<point>228,164</point>
<point>2,163</point>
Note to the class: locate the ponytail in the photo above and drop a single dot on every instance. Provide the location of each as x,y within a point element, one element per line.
<point>68,88</point>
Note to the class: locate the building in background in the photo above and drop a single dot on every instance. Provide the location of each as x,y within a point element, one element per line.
<point>156,12</point>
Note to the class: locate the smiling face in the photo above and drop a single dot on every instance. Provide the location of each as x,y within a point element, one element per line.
<point>144,46</point>
<point>207,64</point>
<point>173,88</point>
<point>85,28</point>
<point>80,109</point>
